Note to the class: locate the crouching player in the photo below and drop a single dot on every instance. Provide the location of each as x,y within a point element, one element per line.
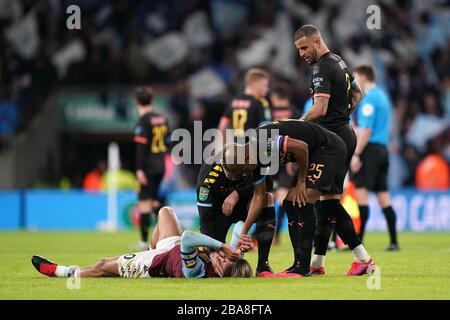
<point>173,254</point>
<point>223,199</point>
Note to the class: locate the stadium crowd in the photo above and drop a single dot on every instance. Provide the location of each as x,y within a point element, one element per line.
<point>196,51</point>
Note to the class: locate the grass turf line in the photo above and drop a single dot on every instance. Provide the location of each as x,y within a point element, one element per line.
<point>421,270</point>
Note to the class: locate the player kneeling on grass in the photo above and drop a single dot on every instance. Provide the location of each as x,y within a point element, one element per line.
<point>173,254</point>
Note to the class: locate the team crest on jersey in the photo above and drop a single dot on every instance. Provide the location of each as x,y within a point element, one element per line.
<point>203,194</point>
<point>138,131</point>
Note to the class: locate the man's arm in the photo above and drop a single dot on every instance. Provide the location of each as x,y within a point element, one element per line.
<point>192,265</point>
<point>319,109</point>
<point>301,153</point>
<point>256,206</point>
<point>362,138</point>
<point>356,95</point>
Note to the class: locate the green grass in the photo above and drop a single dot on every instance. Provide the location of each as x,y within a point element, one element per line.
<point>421,270</point>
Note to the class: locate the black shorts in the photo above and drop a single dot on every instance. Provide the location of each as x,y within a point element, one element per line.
<point>215,224</point>
<point>150,191</point>
<point>374,169</point>
<point>327,170</point>
<point>347,134</point>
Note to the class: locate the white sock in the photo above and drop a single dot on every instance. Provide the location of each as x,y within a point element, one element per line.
<point>61,271</point>
<point>361,254</point>
<point>317,261</point>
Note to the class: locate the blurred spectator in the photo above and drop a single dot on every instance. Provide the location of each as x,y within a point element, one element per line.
<point>93,179</point>
<point>8,119</point>
<point>433,173</point>
<point>199,49</point>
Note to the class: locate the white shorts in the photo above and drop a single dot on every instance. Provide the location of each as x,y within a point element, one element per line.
<point>136,265</point>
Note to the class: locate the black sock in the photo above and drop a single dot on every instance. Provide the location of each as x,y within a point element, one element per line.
<point>280,216</point>
<point>145,224</point>
<point>323,230</point>
<point>292,216</point>
<point>364,215</point>
<point>302,224</point>
<point>344,224</point>
<point>265,228</point>
<point>391,218</point>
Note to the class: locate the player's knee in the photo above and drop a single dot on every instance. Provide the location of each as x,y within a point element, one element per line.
<point>270,202</point>
<point>100,265</point>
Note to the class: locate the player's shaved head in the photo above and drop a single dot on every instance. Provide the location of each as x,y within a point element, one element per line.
<point>308,31</point>
<point>237,160</point>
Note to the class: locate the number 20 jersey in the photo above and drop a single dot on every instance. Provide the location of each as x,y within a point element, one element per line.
<point>151,135</point>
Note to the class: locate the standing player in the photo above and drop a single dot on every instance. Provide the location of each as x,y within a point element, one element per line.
<point>335,97</point>
<point>320,156</point>
<point>370,162</point>
<point>150,137</point>
<point>250,109</point>
<point>282,110</point>
<point>173,255</point>
<point>223,199</point>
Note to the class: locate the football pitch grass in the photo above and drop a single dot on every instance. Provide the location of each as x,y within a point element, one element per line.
<point>421,270</point>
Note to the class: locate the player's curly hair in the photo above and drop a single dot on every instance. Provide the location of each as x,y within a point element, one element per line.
<point>238,269</point>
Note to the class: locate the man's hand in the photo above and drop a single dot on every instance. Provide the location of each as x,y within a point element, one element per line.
<point>142,177</point>
<point>230,253</point>
<point>229,203</point>
<point>245,242</point>
<point>217,262</point>
<point>300,196</point>
<point>355,164</point>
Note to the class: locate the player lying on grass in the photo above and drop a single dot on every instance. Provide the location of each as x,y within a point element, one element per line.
<point>320,155</point>
<point>173,254</point>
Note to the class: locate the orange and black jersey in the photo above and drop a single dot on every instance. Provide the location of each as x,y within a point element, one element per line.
<point>332,78</point>
<point>247,112</point>
<point>150,135</point>
<point>213,186</point>
<point>284,113</point>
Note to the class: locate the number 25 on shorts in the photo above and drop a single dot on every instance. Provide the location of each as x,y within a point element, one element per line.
<point>315,170</point>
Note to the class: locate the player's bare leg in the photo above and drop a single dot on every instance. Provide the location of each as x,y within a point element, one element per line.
<point>106,267</point>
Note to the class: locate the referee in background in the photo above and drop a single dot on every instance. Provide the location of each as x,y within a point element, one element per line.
<point>370,162</point>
